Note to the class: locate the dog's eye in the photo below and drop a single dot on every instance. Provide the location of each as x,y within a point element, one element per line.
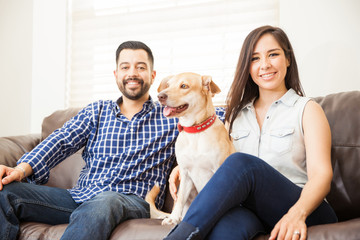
<point>184,86</point>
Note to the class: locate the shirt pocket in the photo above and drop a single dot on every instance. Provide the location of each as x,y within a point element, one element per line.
<point>281,140</point>
<point>239,138</point>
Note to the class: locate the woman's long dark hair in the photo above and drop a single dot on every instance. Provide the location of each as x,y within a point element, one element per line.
<point>243,89</point>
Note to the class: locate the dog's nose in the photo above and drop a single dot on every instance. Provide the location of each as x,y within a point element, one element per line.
<point>162,97</point>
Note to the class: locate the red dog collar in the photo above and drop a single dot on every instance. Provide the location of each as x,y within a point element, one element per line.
<point>198,128</point>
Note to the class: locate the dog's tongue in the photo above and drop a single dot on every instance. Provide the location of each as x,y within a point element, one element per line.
<point>168,111</point>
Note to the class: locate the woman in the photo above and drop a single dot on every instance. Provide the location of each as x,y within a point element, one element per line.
<point>279,188</point>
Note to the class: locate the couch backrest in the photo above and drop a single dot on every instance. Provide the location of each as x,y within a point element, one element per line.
<point>56,120</point>
<point>343,113</point>
<point>64,175</point>
<point>12,148</point>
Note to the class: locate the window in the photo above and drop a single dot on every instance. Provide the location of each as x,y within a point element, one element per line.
<point>202,36</point>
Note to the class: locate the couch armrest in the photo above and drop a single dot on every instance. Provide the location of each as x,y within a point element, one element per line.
<point>12,148</point>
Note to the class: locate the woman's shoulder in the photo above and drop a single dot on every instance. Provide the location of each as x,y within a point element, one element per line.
<point>313,107</point>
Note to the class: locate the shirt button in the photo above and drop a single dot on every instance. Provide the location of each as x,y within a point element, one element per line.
<point>267,117</point>
<point>131,130</point>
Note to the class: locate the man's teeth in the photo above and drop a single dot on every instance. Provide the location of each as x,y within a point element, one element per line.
<point>132,83</point>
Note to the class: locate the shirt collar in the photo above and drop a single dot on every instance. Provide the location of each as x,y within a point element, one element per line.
<point>289,99</point>
<point>147,107</point>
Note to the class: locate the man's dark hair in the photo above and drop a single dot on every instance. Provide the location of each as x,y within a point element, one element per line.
<point>135,45</point>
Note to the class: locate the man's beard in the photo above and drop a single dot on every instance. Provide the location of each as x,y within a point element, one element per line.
<point>137,94</point>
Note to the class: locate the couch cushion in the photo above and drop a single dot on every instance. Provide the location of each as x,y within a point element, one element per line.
<point>141,229</point>
<point>343,113</point>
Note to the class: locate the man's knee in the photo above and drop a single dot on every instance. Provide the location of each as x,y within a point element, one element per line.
<point>111,205</point>
<point>115,202</point>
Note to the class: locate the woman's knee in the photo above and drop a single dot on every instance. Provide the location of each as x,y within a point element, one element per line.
<point>240,160</point>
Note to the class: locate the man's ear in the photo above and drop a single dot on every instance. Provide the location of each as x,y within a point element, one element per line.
<point>210,85</point>
<point>163,83</point>
<point>153,75</point>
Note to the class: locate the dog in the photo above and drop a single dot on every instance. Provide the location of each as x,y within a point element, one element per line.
<point>203,142</point>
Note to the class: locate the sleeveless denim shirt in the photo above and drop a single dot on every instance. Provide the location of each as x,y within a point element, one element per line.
<point>280,142</point>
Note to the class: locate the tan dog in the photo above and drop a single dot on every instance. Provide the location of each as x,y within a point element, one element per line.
<point>203,142</point>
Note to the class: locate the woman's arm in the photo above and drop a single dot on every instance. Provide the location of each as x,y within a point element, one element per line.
<point>174,181</point>
<point>317,137</point>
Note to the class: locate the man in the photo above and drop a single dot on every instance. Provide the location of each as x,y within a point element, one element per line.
<point>129,146</point>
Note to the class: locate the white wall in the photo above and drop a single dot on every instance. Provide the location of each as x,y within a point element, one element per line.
<point>32,63</point>
<point>49,60</point>
<point>325,35</point>
<point>15,65</point>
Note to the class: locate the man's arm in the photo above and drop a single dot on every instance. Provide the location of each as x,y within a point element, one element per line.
<point>220,112</point>
<point>57,146</point>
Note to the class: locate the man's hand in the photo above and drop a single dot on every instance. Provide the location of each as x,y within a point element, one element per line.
<point>8,175</point>
<point>174,181</point>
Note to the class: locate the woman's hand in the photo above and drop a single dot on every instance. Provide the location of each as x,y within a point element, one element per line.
<point>8,175</point>
<point>174,181</point>
<point>290,227</point>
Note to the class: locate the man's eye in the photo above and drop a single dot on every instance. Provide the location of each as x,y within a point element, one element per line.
<point>184,86</point>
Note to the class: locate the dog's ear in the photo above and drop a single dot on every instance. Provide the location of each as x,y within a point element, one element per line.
<point>210,85</point>
<point>163,83</point>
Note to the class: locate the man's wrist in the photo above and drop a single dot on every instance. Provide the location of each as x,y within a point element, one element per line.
<point>23,170</point>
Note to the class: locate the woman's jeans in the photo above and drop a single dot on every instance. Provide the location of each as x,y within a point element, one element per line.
<point>93,219</point>
<point>246,196</point>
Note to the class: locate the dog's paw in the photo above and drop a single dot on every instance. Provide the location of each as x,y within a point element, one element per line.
<point>170,221</point>
<point>161,215</point>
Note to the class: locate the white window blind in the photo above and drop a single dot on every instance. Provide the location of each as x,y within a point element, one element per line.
<point>202,36</point>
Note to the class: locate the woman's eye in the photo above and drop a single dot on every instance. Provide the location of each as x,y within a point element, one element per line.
<point>184,86</point>
<point>253,59</point>
<point>274,54</point>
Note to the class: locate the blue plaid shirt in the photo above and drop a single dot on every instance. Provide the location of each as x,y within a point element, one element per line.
<point>127,156</point>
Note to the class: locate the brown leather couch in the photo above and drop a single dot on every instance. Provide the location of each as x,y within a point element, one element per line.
<point>343,113</point>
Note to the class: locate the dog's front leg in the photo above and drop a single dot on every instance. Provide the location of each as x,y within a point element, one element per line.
<point>185,187</point>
